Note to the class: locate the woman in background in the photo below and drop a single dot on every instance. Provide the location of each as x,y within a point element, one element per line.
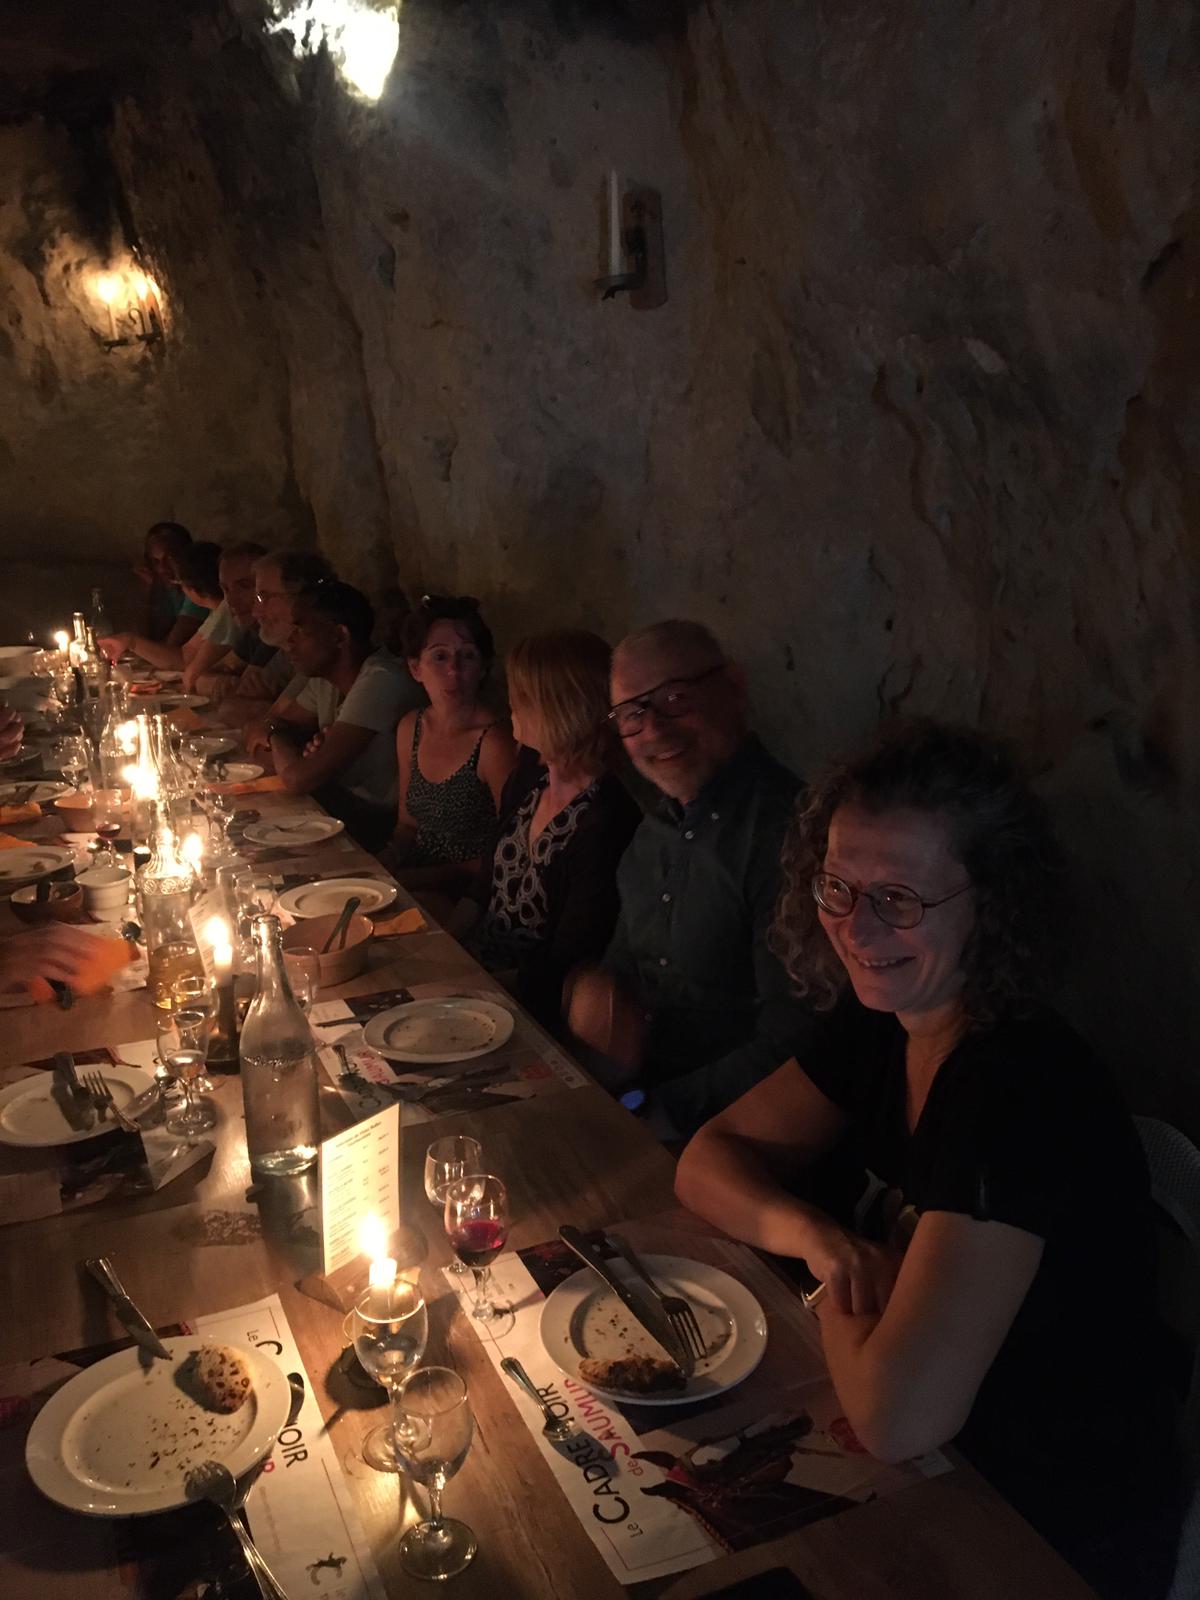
<point>453,755</point>
<point>196,569</point>
<point>545,898</point>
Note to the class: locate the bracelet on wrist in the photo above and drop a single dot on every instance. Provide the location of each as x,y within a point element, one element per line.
<point>812,1298</point>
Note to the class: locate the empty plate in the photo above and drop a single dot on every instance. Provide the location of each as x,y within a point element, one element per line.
<point>236,772</point>
<point>321,898</point>
<point>294,830</point>
<point>26,865</point>
<point>44,790</point>
<point>456,1028</point>
<point>31,1118</point>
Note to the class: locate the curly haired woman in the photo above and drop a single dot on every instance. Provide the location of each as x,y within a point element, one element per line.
<point>1004,1299</point>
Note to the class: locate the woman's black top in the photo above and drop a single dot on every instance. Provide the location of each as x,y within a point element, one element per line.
<point>550,905</point>
<point>1074,1422</point>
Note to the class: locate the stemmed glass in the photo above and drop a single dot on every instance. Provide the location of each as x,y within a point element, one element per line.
<point>304,974</point>
<point>182,1048</point>
<point>74,760</point>
<point>432,1448</point>
<point>390,1326</point>
<point>477,1222</point>
<point>446,1161</point>
<point>195,995</point>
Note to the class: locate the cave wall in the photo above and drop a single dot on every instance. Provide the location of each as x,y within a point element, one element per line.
<point>916,430</point>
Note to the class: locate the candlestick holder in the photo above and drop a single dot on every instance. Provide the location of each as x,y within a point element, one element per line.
<point>642,242</point>
<point>223,1045</point>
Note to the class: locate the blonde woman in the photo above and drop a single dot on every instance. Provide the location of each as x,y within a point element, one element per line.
<point>546,896</point>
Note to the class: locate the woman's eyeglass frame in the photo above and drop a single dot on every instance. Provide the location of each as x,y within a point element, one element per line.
<point>878,904</point>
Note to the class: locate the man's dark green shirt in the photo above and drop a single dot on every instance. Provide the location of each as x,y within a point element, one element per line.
<point>698,886</point>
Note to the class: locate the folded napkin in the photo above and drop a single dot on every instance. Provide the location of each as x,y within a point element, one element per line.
<point>9,841</point>
<point>409,920</point>
<point>26,813</point>
<point>185,719</point>
<point>264,785</point>
<point>107,958</point>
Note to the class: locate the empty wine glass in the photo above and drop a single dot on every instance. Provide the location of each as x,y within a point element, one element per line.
<point>434,1445</point>
<point>390,1326</point>
<point>304,974</point>
<point>446,1161</point>
<point>183,1048</point>
<point>73,759</point>
<point>195,994</point>
<point>477,1222</point>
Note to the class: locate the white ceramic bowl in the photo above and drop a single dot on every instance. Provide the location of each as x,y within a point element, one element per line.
<point>105,890</point>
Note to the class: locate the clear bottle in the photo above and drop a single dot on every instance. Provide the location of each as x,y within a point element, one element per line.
<point>78,644</point>
<point>98,616</point>
<point>166,888</point>
<point>94,665</point>
<point>279,1066</point>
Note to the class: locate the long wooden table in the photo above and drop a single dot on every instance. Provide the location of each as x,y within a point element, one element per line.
<point>572,1155</point>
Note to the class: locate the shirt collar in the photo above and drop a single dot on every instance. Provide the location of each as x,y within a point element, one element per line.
<point>720,789</point>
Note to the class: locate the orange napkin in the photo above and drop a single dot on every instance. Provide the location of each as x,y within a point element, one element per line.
<point>9,841</point>
<point>266,785</point>
<point>185,719</point>
<point>409,920</point>
<point>103,961</point>
<point>26,813</point>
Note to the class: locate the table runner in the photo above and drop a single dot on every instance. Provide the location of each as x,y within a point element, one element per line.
<point>661,1489</point>
<point>300,1511</point>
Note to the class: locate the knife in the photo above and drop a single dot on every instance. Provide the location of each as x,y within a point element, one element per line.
<point>73,1099</point>
<point>134,1322</point>
<point>651,1317</point>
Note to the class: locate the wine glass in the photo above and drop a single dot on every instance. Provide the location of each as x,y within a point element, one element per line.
<point>446,1161</point>
<point>304,974</point>
<point>477,1222</point>
<point>390,1326</point>
<point>432,1448</point>
<point>182,1048</point>
<point>195,994</point>
<point>73,758</point>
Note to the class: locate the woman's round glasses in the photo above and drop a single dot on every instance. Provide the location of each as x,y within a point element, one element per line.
<point>893,903</point>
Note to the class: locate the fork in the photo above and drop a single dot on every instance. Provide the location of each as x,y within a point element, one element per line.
<point>102,1099</point>
<point>676,1309</point>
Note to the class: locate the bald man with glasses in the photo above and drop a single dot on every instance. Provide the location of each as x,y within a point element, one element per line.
<point>690,1008</point>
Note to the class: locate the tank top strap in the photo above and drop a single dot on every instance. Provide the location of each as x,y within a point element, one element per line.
<point>416,742</point>
<point>473,759</point>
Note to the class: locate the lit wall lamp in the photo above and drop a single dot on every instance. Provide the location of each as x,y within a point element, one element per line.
<point>133,306</point>
<point>636,259</point>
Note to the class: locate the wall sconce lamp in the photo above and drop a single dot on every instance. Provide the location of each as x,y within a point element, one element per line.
<point>132,302</point>
<point>635,235</point>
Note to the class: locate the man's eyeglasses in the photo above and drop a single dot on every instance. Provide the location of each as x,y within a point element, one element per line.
<point>893,903</point>
<point>673,698</point>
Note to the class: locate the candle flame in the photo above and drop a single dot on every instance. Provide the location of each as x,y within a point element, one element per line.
<point>62,639</point>
<point>372,1237</point>
<point>193,854</point>
<point>216,929</point>
<point>107,286</point>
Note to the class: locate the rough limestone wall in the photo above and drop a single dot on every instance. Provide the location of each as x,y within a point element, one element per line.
<point>916,431</point>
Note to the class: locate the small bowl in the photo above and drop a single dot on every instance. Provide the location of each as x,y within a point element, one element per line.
<point>64,904</point>
<point>80,812</point>
<point>337,966</point>
<point>105,890</point>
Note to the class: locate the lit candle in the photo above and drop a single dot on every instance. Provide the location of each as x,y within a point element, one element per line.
<point>615,252</point>
<point>216,933</point>
<point>193,854</point>
<point>63,640</point>
<point>106,290</point>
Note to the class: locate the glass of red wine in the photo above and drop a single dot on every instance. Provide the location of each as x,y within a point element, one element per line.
<point>477,1223</point>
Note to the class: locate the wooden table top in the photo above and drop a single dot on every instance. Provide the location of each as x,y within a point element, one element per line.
<point>203,1245</point>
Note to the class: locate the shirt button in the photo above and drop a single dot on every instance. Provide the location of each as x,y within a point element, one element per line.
<point>662,961</point>
<point>690,834</point>
<point>716,816</point>
<point>666,899</point>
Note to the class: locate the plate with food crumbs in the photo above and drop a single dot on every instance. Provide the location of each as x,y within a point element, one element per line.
<point>294,829</point>
<point>591,1336</point>
<point>120,1438</point>
<point>432,1032</point>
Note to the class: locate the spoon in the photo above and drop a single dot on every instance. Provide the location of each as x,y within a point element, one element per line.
<point>555,1428</point>
<point>214,1482</point>
<point>342,925</point>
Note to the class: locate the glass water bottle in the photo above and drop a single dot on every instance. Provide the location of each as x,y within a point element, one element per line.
<point>166,888</point>
<point>279,1066</point>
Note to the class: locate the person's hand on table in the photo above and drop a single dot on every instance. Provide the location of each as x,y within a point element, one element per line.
<point>255,736</point>
<point>315,743</point>
<point>12,732</point>
<point>114,645</point>
<point>858,1276</point>
<point>59,953</point>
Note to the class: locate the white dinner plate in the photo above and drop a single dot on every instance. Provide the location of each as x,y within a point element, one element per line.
<point>27,865</point>
<point>46,789</point>
<point>321,899</point>
<point>30,1116</point>
<point>294,830</point>
<point>583,1318</point>
<point>237,772</point>
<point>214,744</point>
<point>172,702</point>
<point>432,1032</point>
<point>119,1439</point>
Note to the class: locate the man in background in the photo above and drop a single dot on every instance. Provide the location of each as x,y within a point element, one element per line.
<point>264,688</point>
<point>227,639</point>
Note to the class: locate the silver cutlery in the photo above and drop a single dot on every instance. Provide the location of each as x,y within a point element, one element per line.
<point>102,1099</point>
<point>251,1476</point>
<point>101,1268</point>
<point>677,1310</point>
<point>555,1428</point>
<point>63,1070</point>
<point>648,1313</point>
<point>342,925</point>
<point>214,1482</point>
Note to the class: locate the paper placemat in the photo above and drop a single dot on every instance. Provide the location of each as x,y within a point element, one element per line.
<point>661,1489</point>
